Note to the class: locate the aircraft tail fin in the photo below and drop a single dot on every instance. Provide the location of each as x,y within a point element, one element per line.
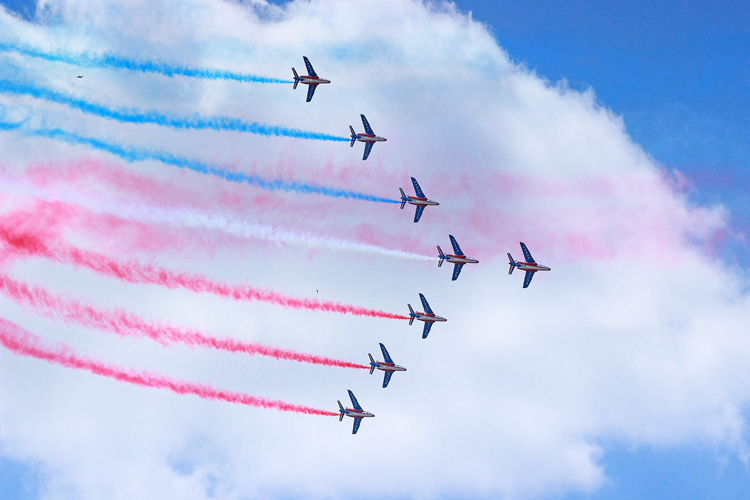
<point>341,409</point>
<point>296,78</point>
<point>411,318</point>
<point>403,198</point>
<point>372,363</point>
<point>441,255</point>
<point>512,264</point>
<point>354,136</point>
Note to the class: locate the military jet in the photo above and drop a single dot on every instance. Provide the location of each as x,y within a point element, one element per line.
<point>420,200</point>
<point>357,413</point>
<point>530,266</point>
<point>427,316</point>
<point>459,259</point>
<point>79,76</point>
<point>369,137</point>
<point>387,366</point>
<point>312,79</point>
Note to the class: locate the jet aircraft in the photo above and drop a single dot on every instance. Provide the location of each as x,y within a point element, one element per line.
<point>369,137</point>
<point>79,76</point>
<point>530,266</point>
<point>387,366</point>
<point>459,259</point>
<point>312,79</point>
<point>420,200</point>
<point>357,413</point>
<point>427,316</point>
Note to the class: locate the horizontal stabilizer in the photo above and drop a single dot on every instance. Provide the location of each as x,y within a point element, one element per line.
<point>404,199</point>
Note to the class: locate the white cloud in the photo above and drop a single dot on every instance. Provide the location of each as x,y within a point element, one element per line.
<point>636,335</point>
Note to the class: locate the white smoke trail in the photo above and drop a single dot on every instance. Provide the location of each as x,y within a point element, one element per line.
<point>151,214</point>
<point>235,227</point>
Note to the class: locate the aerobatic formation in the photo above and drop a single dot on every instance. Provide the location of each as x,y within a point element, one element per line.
<point>28,242</point>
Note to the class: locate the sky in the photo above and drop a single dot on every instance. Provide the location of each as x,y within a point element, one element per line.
<point>613,146</point>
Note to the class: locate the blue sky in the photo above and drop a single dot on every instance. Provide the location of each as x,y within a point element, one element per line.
<point>679,75</point>
<point>677,72</point>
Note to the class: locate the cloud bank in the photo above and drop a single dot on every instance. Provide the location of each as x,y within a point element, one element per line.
<point>637,335</point>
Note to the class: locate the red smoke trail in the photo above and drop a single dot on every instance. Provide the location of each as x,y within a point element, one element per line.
<point>128,324</point>
<point>23,343</point>
<point>135,272</point>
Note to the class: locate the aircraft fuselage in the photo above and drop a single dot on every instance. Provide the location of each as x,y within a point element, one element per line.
<point>416,200</point>
<point>389,367</point>
<point>427,317</point>
<point>312,80</point>
<point>531,266</point>
<point>370,138</point>
<point>460,259</point>
<point>350,412</point>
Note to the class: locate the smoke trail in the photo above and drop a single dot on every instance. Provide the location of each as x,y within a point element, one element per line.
<point>118,62</point>
<point>24,343</point>
<point>10,126</point>
<point>128,324</point>
<point>139,154</point>
<point>193,218</point>
<point>221,123</point>
<point>151,214</point>
<point>134,272</point>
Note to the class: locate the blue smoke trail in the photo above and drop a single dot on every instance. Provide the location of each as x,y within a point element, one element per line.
<point>138,154</point>
<point>10,126</point>
<point>119,62</point>
<point>131,116</point>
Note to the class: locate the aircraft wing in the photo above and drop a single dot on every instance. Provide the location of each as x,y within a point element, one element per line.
<point>310,92</point>
<point>418,213</point>
<point>386,356</point>
<point>427,326</point>
<point>456,248</point>
<point>357,422</point>
<point>527,254</point>
<point>456,271</point>
<point>354,401</point>
<point>368,128</point>
<point>417,189</point>
<point>425,304</point>
<point>310,70</point>
<point>527,279</point>
<point>368,148</point>
<point>386,379</point>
